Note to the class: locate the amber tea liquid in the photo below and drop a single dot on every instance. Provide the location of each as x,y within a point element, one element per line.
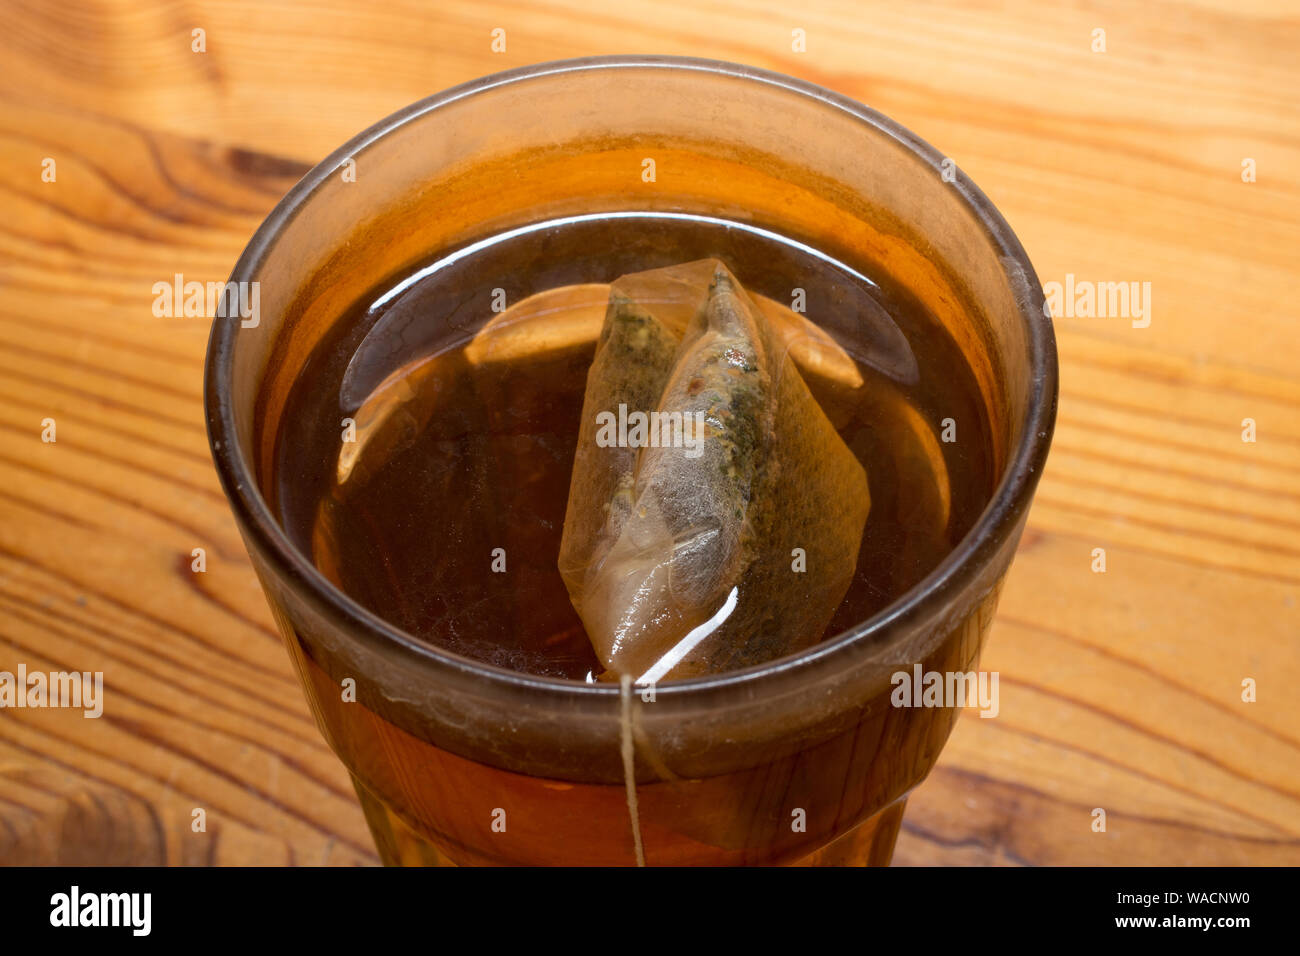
<point>423,462</point>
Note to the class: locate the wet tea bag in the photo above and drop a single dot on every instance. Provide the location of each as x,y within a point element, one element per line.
<point>714,513</point>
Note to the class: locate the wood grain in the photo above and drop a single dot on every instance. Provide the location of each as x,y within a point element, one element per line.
<point>1120,690</point>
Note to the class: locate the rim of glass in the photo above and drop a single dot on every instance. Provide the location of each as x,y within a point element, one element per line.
<point>995,524</point>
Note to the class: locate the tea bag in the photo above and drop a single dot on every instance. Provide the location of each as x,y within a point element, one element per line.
<point>714,513</point>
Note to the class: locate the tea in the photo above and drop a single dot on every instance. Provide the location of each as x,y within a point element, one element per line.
<point>424,462</point>
<point>425,465</point>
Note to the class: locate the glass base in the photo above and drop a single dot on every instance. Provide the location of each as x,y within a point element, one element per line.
<point>870,843</point>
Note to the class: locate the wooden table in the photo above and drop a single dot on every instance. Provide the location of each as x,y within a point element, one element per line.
<point>1121,690</point>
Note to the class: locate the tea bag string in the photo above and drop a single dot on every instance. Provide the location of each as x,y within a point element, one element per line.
<point>629,764</point>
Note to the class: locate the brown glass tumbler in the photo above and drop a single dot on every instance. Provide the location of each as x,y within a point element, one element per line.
<point>802,760</point>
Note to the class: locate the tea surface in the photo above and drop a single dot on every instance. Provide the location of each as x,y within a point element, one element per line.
<point>425,454</point>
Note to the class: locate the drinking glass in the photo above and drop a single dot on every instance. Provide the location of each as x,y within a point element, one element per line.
<point>803,760</point>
